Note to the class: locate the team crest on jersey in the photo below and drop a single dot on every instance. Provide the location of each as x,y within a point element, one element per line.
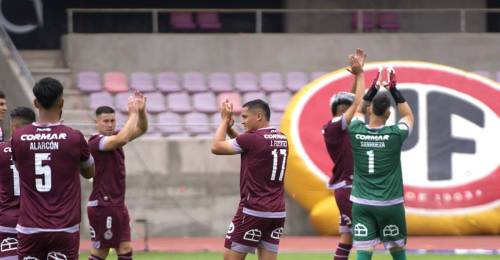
<point>108,234</point>
<point>8,244</point>
<point>56,256</point>
<point>277,233</point>
<point>253,235</point>
<point>390,231</point>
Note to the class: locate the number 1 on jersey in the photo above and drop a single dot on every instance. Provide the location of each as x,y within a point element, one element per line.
<point>275,164</point>
<point>371,161</point>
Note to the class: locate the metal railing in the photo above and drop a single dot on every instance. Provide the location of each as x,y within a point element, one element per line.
<point>259,13</point>
<point>25,72</point>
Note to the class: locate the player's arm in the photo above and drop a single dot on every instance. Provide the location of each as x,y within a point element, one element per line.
<point>405,111</point>
<point>220,145</point>
<point>142,120</point>
<point>87,165</point>
<point>368,97</point>
<point>356,61</point>
<point>87,171</point>
<point>230,131</point>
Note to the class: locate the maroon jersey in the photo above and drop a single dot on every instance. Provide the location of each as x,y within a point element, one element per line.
<point>338,145</point>
<point>48,158</point>
<point>109,182</point>
<point>263,163</point>
<point>9,191</point>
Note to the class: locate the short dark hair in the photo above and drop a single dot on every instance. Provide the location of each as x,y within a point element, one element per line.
<point>2,95</point>
<point>260,104</point>
<point>25,114</point>
<point>104,110</point>
<point>47,91</point>
<point>380,104</point>
<point>335,105</point>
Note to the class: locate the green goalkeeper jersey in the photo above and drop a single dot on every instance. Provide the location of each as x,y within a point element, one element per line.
<point>378,179</point>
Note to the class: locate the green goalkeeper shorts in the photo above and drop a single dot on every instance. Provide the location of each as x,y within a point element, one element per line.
<point>374,224</point>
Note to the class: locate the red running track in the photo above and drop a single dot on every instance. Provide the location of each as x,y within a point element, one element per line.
<point>312,244</point>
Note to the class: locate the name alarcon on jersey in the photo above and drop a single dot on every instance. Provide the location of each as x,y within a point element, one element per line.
<point>43,137</point>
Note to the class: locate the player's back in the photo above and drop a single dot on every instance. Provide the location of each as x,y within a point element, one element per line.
<point>9,189</point>
<point>338,146</point>
<point>263,165</point>
<point>48,159</point>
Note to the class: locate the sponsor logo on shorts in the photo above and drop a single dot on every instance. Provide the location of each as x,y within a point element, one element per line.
<point>230,230</point>
<point>108,234</point>
<point>30,258</point>
<point>276,234</point>
<point>8,244</point>
<point>253,235</point>
<point>360,230</point>
<point>390,231</point>
<point>56,256</point>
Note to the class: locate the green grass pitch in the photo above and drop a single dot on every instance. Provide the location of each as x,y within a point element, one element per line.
<point>291,256</point>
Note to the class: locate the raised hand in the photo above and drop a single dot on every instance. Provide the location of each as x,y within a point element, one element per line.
<point>356,62</point>
<point>131,104</point>
<point>227,112</point>
<point>392,78</point>
<point>140,101</point>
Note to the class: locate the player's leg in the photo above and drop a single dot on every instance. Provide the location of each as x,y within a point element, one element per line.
<point>392,224</point>
<point>105,230</point>
<point>365,231</point>
<point>230,254</point>
<point>263,254</point>
<point>345,226</point>
<point>242,237</point>
<point>31,246</point>
<point>98,253</point>
<point>63,245</point>
<point>8,242</point>
<point>124,250</point>
<point>272,230</point>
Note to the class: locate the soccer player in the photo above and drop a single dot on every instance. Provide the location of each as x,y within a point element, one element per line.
<point>108,215</point>
<point>50,157</point>
<point>343,107</point>
<point>3,111</point>
<point>377,194</point>
<point>260,217</point>
<point>9,187</point>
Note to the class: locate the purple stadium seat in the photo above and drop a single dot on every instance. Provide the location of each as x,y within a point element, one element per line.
<point>498,76</point>
<point>275,119</point>
<point>245,82</point>
<point>208,20</point>
<point>389,21</point>
<point>89,81</point>
<point>194,82</point>
<point>369,21</point>
<point>271,82</point>
<point>318,74</point>
<point>142,81</point>
<point>98,99</point>
<point>219,82</point>
<point>179,102</point>
<point>155,102</point>
<point>168,82</point>
<point>182,21</point>
<point>197,123</point>
<point>115,82</point>
<point>296,80</point>
<point>170,123</point>
<point>278,101</point>
<point>233,97</point>
<point>483,73</point>
<point>215,120</point>
<point>205,102</point>
<point>121,102</point>
<point>254,95</point>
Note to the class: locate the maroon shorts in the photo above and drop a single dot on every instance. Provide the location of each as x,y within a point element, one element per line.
<point>109,226</point>
<point>247,232</point>
<point>8,245</point>
<point>342,197</point>
<point>49,245</point>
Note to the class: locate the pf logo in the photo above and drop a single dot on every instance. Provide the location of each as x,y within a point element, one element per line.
<point>450,161</point>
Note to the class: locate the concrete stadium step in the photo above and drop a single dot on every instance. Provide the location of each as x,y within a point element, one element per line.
<point>64,75</point>
<point>43,58</point>
<point>80,119</point>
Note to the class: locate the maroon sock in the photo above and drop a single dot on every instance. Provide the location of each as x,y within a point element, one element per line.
<point>342,252</point>
<point>127,256</point>
<point>93,257</point>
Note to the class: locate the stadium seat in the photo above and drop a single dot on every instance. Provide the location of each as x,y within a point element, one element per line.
<point>205,102</point>
<point>271,82</point>
<point>156,102</point>
<point>208,21</point>
<point>296,80</point>
<point>142,81</point>
<point>115,82</point>
<point>389,21</point>
<point>215,120</point>
<point>88,81</point>
<point>245,82</point>
<point>121,102</point>
<point>369,21</point>
<point>169,123</point>
<point>276,119</point>
<point>279,100</point>
<point>182,21</point>
<point>197,123</point>
<point>168,82</point>
<point>254,95</point>
<point>318,74</point>
<point>498,76</point>
<point>219,82</point>
<point>179,102</point>
<point>483,73</point>
<point>120,118</point>
<point>233,97</point>
<point>98,99</point>
<point>194,82</point>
